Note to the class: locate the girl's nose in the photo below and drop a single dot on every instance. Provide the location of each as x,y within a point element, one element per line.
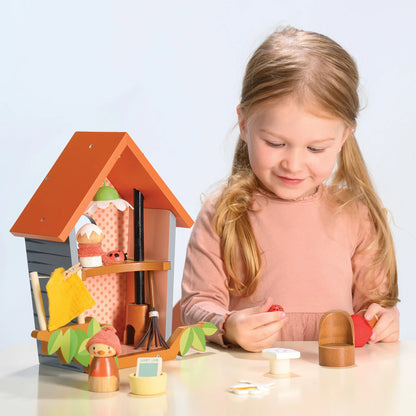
<point>101,352</point>
<point>292,160</point>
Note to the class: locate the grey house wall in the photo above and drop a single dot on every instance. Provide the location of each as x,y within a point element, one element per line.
<point>44,257</point>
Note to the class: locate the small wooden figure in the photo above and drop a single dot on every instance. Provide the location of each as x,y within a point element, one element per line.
<point>103,372</point>
<point>336,339</point>
<point>114,257</point>
<point>89,238</point>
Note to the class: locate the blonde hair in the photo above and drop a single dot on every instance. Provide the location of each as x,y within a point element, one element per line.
<point>313,68</point>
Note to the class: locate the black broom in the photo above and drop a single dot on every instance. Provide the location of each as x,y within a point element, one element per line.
<point>152,332</point>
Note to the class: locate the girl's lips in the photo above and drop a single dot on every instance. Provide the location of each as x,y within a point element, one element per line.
<point>290,181</point>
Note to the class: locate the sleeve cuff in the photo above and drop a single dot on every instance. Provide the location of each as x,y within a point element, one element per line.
<point>218,337</point>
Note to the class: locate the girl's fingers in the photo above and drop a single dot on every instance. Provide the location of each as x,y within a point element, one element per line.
<point>268,342</point>
<point>265,318</point>
<point>265,336</point>
<point>385,335</point>
<point>392,337</point>
<point>379,332</point>
<point>257,310</point>
<point>259,315</point>
<point>373,309</point>
<point>266,305</point>
<point>387,327</point>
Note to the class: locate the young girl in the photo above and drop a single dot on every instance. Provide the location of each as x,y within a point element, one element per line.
<point>287,227</point>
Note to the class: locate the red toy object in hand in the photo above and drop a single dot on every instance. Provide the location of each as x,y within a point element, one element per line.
<point>275,308</point>
<point>362,330</point>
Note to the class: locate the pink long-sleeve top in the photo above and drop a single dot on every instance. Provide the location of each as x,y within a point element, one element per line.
<point>313,261</point>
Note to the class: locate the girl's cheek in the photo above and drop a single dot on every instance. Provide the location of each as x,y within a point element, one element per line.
<point>324,166</point>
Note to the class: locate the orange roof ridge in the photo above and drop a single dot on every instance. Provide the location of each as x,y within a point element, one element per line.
<point>80,170</point>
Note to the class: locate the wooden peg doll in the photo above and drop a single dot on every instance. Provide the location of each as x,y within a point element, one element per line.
<point>103,372</point>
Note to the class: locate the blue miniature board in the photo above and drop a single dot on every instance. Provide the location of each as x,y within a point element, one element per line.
<point>148,367</point>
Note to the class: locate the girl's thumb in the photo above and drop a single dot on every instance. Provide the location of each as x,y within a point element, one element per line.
<point>266,305</point>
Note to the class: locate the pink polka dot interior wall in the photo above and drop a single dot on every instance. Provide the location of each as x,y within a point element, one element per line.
<point>109,291</point>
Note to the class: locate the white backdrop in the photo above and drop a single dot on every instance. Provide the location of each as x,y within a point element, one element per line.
<point>169,74</point>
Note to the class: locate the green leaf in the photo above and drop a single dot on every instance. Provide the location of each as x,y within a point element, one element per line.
<point>83,357</point>
<point>186,341</point>
<point>65,347</point>
<point>116,358</point>
<point>82,335</point>
<point>199,339</point>
<point>209,328</point>
<point>83,346</point>
<point>69,345</point>
<point>93,327</point>
<point>55,341</point>
<point>74,344</point>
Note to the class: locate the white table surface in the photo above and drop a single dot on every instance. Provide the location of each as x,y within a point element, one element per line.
<point>383,382</point>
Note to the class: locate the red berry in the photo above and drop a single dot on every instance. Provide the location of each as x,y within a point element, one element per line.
<point>276,307</point>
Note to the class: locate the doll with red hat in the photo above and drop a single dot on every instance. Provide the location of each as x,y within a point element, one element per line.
<point>103,372</point>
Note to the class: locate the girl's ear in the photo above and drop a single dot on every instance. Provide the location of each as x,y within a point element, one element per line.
<point>241,123</point>
<point>347,133</point>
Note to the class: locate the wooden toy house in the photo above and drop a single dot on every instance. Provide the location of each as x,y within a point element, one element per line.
<point>48,221</point>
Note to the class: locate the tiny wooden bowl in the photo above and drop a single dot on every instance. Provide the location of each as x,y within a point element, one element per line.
<point>148,386</point>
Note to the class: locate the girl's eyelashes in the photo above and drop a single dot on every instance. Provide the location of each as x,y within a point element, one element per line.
<point>316,149</point>
<point>310,148</point>
<point>273,144</point>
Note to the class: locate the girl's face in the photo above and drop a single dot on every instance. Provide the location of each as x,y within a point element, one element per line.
<point>291,150</point>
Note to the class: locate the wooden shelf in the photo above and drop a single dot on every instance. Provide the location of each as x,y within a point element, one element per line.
<point>127,266</point>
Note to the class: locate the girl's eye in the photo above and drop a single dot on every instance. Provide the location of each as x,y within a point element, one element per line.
<point>315,149</point>
<point>272,144</point>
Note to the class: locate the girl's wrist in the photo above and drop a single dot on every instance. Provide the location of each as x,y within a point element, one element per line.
<point>227,333</point>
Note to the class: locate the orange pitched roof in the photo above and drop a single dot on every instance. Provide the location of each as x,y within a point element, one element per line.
<point>76,176</point>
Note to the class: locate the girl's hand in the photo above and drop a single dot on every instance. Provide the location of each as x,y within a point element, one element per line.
<point>254,328</point>
<point>387,327</point>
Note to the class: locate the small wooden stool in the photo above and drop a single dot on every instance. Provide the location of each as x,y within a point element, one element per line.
<point>336,339</point>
